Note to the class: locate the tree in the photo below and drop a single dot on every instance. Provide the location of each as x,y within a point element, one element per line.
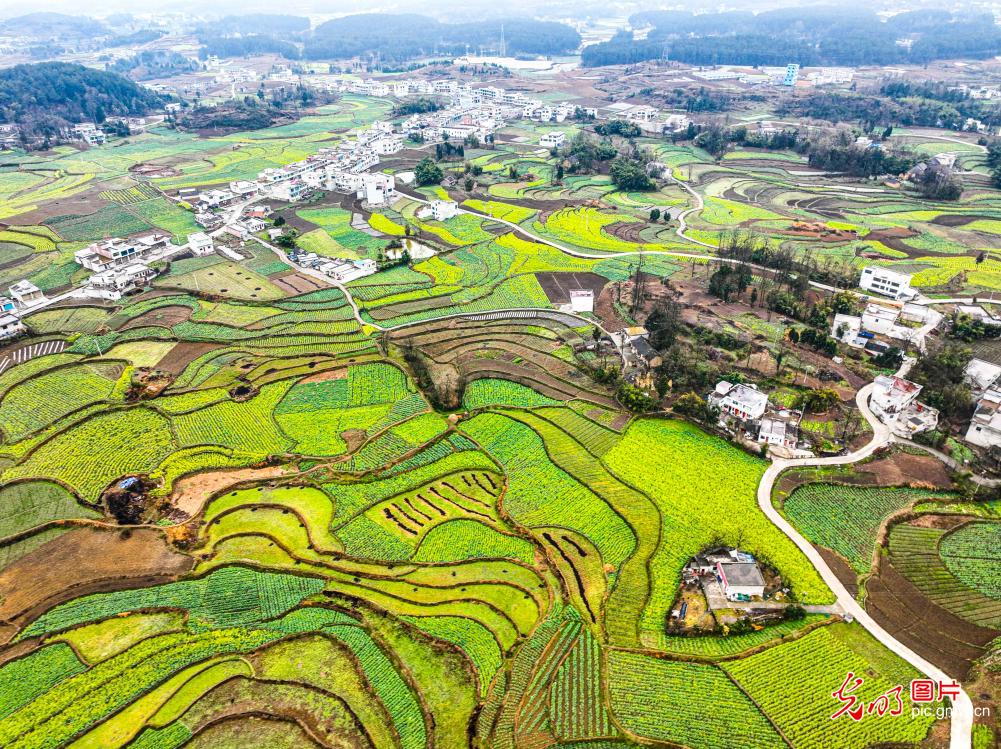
<point>664,323</point>
<point>696,408</point>
<point>889,359</point>
<point>729,281</point>
<point>634,398</point>
<point>714,139</point>
<point>941,374</point>
<point>817,400</point>
<point>629,174</point>
<point>427,172</point>
<point>938,182</point>
<point>655,214</point>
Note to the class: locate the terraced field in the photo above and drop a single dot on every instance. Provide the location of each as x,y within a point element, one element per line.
<point>956,569</point>
<point>228,509</point>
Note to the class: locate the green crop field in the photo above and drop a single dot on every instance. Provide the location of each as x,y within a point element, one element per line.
<point>959,575</point>
<point>973,554</point>
<point>847,518</point>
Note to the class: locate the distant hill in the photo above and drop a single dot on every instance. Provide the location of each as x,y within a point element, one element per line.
<point>54,26</point>
<point>818,35</point>
<point>256,23</point>
<point>405,36</point>
<point>59,91</point>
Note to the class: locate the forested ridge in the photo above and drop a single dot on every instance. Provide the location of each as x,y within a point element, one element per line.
<point>70,92</point>
<point>813,36</point>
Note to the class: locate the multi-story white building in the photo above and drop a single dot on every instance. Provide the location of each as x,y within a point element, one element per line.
<point>10,326</point>
<point>554,139</point>
<point>442,210</point>
<point>115,283</point>
<point>289,191</point>
<point>25,294</point>
<point>981,375</point>
<point>377,189</point>
<point>985,427</point>
<point>200,243</point>
<point>886,282</point>
<point>894,401</point>
<point>743,402</point>
<point>386,145</point>
<point>115,253</point>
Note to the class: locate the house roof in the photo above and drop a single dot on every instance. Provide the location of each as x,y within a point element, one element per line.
<point>23,287</point>
<point>644,349</point>
<point>896,386</point>
<point>881,313</point>
<point>988,411</point>
<point>741,573</point>
<point>747,396</point>
<point>982,374</point>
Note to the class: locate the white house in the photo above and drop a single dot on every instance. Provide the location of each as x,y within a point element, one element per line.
<point>581,300</point>
<point>378,189</point>
<point>846,328</point>
<point>442,210</point>
<point>109,253</point>
<point>780,429</point>
<point>985,427</point>
<point>244,188</point>
<point>744,402</point>
<point>554,139</point>
<point>740,580</point>
<point>879,319</point>
<point>115,283</point>
<point>886,282</point>
<point>25,294</point>
<point>387,145</point>
<point>894,401</point>
<point>216,198</point>
<point>349,270</point>
<point>10,326</point>
<point>289,190</point>
<point>981,375</point>
<point>200,243</point>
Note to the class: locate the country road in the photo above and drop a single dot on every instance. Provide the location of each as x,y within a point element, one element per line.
<point>961,727</point>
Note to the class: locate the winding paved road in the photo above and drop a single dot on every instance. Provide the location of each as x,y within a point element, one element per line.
<point>962,713</point>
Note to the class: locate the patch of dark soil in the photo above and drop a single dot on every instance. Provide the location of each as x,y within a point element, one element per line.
<point>558,285</point>
<point>164,317</point>
<point>296,283</point>
<point>81,562</point>
<point>841,569</point>
<point>175,360</point>
<point>906,613</point>
<point>954,220</point>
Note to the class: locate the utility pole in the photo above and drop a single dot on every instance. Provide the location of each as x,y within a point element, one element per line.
<point>638,282</point>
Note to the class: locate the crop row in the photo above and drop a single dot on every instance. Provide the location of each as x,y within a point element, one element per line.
<point>793,684</point>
